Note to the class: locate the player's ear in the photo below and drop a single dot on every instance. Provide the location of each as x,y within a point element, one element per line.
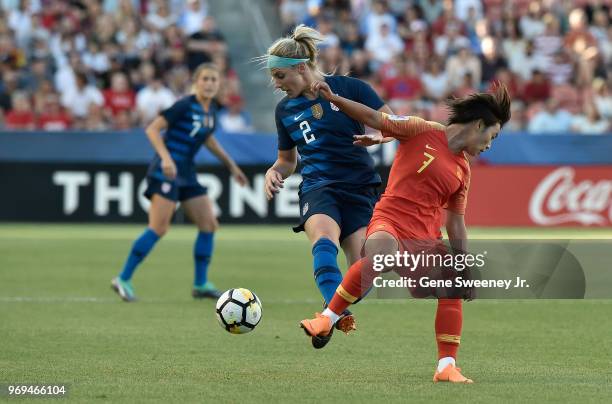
<point>480,126</point>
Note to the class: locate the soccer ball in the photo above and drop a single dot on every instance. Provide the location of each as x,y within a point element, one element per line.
<point>238,310</point>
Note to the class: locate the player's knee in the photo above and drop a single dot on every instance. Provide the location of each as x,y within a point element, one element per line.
<point>209,225</point>
<point>160,230</point>
<point>329,235</point>
<point>379,247</point>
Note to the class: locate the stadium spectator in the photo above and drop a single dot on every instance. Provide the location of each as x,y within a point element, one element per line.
<point>491,60</point>
<point>78,100</point>
<point>41,95</point>
<point>602,98</point>
<point>204,43</point>
<point>192,17</point>
<point>119,97</point>
<point>448,20</point>
<point>377,17</point>
<point>590,122</point>
<point>464,7</point>
<point>527,63</point>
<point>352,40</point>
<point>234,119</point>
<point>517,117</point>
<point>20,21</point>
<point>94,120</point>
<point>292,13</point>
<point>464,62</point>
<point>435,81</point>
<point>37,72</point>
<point>65,76</point>
<point>505,76</point>
<point>551,41</point>
<point>466,88</point>
<point>537,89</point>
<point>359,65</point>
<point>531,24</point>
<point>561,69</point>
<point>578,39</point>
<point>54,117</point>
<point>405,85</point>
<point>325,27</point>
<point>450,41</point>
<point>432,9</point>
<point>9,85</point>
<point>550,120</point>
<point>21,116</point>
<point>154,97</point>
<point>513,45</point>
<point>160,17</point>
<point>383,46</point>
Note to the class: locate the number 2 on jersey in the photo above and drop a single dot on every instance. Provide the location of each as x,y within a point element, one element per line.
<point>305,131</point>
<point>427,162</point>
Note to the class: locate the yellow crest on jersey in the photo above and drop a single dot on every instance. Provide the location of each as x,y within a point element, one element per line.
<point>317,111</point>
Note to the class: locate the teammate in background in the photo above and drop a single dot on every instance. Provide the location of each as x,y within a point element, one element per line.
<point>339,184</point>
<point>188,123</point>
<point>430,171</point>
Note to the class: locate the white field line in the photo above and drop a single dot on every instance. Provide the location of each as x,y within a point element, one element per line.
<point>370,301</point>
<point>131,237</point>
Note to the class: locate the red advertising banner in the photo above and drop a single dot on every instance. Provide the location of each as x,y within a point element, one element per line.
<point>540,196</point>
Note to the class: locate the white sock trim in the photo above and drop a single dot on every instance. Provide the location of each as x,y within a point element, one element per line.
<point>333,316</point>
<point>444,362</point>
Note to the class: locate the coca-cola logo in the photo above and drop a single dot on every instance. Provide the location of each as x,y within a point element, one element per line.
<point>559,199</point>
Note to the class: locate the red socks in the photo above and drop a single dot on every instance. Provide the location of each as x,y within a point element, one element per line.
<point>449,315</point>
<point>449,318</point>
<point>356,282</point>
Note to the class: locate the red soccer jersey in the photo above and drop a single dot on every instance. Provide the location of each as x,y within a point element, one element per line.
<point>425,177</point>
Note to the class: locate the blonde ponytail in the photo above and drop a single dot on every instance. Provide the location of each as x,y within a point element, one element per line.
<point>302,44</point>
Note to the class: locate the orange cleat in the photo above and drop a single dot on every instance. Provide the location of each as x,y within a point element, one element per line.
<point>451,374</point>
<point>320,326</point>
<point>346,323</point>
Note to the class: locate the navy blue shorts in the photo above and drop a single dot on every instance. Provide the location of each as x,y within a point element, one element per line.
<point>351,208</point>
<point>170,190</point>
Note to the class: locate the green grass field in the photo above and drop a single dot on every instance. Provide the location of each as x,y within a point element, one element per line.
<point>61,323</point>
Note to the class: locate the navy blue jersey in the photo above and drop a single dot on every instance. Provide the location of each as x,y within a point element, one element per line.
<point>324,136</point>
<point>188,128</point>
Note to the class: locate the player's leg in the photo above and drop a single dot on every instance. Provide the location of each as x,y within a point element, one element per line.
<point>356,282</point>
<point>357,209</point>
<point>160,215</point>
<point>449,320</point>
<point>200,210</point>
<point>353,244</point>
<point>324,233</point>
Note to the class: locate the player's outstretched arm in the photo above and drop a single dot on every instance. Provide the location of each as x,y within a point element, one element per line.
<point>216,149</point>
<point>355,110</point>
<point>282,168</point>
<point>153,132</point>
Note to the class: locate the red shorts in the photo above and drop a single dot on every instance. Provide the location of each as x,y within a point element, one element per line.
<point>408,243</point>
<point>407,238</point>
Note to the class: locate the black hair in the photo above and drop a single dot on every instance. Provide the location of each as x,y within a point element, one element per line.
<point>490,108</point>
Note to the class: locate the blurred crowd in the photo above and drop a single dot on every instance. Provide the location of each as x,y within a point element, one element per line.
<point>106,64</point>
<point>113,64</point>
<point>555,56</point>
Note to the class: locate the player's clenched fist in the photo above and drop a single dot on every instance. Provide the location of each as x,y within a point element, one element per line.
<point>323,89</point>
<point>273,184</point>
